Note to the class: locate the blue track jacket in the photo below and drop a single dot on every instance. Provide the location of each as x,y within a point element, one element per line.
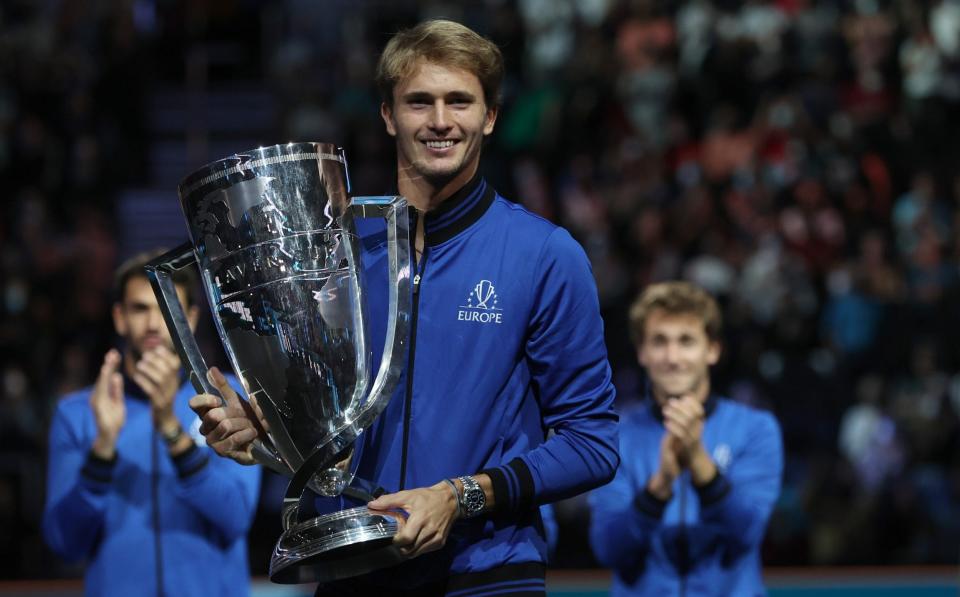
<point>506,344</point>
<point>703,541</point>
<point>146,524</point>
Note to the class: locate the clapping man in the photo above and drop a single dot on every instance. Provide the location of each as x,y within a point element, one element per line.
<point>131,488</point>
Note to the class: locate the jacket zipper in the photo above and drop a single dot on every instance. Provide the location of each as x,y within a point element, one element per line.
<point>154,490</point>
<point>682,537</point>
<point>408,398</point>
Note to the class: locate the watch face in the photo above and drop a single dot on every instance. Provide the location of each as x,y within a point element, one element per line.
<point>473,502</point>
<point>473,497</point>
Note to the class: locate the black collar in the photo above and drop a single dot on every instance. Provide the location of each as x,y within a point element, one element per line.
<point>708,407</point>
<point>131,389</point>
<point>459,211</point>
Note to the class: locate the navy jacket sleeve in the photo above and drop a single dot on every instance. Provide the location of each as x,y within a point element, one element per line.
<point>77,485</point>
<point>623,517</point>
<point>738,506</point>
<point>571,378</point>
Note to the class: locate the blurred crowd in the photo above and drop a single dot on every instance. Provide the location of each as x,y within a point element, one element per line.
<point>795,157</point>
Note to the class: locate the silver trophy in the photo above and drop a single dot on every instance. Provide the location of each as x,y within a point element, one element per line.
<point>273,234</point>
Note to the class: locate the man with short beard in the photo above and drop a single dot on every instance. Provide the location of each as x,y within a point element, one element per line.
<point>130,492</point>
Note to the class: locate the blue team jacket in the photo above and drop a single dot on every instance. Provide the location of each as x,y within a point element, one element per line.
<point>507,344</point>
<point>145,524</point>
<point>704,541</point>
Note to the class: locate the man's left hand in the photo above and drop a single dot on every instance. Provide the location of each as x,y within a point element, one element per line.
<point>158,375</point>
<point>430,514</point>
<point>684,418</point>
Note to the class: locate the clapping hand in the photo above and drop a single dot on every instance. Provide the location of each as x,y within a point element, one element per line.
<point>157,373</point>
<point>683,417</point>
<point>109,409</point>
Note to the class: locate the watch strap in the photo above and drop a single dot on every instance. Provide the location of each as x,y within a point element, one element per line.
<point>172,437</point>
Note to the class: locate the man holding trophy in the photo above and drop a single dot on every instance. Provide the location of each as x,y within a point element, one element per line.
<point>505,344</point>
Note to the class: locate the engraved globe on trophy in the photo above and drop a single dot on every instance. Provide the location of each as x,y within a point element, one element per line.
<point>273,233</point>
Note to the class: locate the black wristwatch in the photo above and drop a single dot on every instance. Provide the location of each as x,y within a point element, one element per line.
<point>473,500</point>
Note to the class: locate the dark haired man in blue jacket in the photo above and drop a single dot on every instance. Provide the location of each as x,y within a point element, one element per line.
<point>688,508</point>
<point>130,491</point>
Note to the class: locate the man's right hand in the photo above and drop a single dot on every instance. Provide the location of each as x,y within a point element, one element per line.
<point>228,425</point>
<point>109,409</point>
<point>661,482</point>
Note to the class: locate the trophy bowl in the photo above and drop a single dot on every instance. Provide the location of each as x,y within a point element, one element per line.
<point>272,231</point>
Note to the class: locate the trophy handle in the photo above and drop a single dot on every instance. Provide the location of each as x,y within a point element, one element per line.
<point>393,209</point>
<point>159,271</point>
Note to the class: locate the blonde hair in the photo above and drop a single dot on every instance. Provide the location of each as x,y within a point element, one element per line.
<point>675,298</point>
<point>445,43</point>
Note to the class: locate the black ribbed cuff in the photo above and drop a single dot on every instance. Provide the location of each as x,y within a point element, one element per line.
<point>714,491</point>
<point>190,462</point>
<point>650,504</point>
<point>527,579</point>
<point>98,472</point>
<point>513,488</point>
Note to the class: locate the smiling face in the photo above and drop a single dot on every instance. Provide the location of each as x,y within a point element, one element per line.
<point>439,119</point>
<point>677,354</point>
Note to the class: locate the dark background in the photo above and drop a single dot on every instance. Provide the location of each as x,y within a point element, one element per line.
<point>797,157</point>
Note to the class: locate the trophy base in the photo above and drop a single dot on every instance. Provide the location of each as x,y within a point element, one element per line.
<point>335,546</point>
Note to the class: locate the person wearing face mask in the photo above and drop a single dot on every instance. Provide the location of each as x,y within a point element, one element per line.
<point>688,508</point>
<point>130,490</point>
